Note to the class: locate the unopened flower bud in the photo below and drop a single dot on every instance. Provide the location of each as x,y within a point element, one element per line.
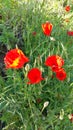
<point>61,114</point>
<point>27,67</point>
<point>46,104</point>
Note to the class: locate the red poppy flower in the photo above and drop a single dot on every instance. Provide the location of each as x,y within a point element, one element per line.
<point>55,62</point>
<point>34,33</point>
<point>55,68</point>
<point>47,28</point>
<point>35,76</point>
<point>38,100</point>
<point>67,8</point>
<point>70,33</point>
<point>15,58</point>
<point>61,74</point>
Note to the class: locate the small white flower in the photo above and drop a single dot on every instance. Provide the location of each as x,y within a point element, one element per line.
<point>52,39</point>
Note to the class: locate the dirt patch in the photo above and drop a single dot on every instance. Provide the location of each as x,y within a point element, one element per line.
<point>3,50</point>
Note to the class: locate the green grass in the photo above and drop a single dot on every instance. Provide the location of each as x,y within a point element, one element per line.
<point>18,101</point>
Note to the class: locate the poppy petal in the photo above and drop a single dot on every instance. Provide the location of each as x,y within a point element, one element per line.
<point>15,58</point>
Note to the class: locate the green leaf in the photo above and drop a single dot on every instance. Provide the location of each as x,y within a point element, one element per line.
<point>3,105</point>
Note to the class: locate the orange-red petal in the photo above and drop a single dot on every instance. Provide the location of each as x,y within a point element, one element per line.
<point>54,61</point>
<point>67,8</point>
<point>61,74</point>
<point>15,58</point>
<point>34,76</point>
<point>47,28</point>
<point>70,33</point>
